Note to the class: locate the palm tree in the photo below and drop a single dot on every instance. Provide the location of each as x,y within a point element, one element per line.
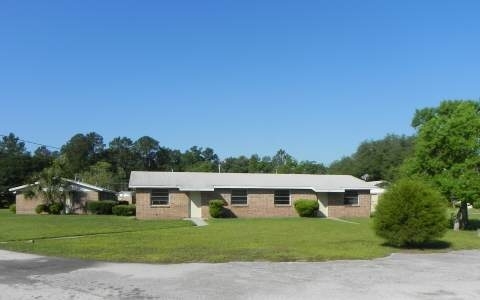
<point>51,188</point>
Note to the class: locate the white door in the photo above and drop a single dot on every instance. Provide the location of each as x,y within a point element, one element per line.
<point>195,205</point>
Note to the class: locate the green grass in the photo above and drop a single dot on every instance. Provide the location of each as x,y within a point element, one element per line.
<point>26,227</point>
<point>282,239</point>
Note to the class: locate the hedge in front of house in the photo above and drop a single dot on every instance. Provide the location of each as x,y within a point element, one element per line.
<point>13,208</point>
<point>306,207</point>
<point>41,208</point>
<point>55,208</point>
<point>101,207</point>
<point>124,210</point>
<point>215,207</point>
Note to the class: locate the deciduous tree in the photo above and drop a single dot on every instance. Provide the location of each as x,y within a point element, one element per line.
<point>447,151</point>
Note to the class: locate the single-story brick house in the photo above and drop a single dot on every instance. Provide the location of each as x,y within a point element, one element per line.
<point>173,195</point>
<point>78,194</point>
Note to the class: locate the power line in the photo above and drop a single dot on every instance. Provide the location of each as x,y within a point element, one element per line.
<point>34,143</point>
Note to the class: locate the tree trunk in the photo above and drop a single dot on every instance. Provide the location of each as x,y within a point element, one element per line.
<point>461,220</point>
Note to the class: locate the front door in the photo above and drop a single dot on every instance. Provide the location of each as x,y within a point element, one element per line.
<point>195,205</point>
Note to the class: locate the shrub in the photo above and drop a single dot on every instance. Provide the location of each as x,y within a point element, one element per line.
<point>306,208</point>
<point>451,220</point>
<point>476,204</point>
<point>101,207</point>
<point>13,208</point>
<point>41,208</point>
<point>215,207</point>
<point>123,202</point>
<point>124,210</point>
<point>410,213</point>
<point>55,208</point>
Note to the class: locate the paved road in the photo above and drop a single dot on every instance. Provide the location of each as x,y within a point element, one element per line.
<point>453,275</point>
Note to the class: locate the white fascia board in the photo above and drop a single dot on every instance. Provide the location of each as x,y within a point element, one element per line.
<point>192,189</point>
<point>330,191</point>
<point>183,189</point>
<point>14,189</point>
<point>152,187</point>
<point>17,188</point>
<point>263,187</point>
<point>86,186</point>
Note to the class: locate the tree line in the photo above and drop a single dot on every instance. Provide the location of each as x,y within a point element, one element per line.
<point>445,152</point>
<point>86,157</point>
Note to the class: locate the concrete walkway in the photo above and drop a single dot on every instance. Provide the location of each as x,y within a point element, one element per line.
<point>197,221</point>
<point>454,275</point>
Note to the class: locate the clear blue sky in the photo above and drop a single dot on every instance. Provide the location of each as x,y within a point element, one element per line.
<point>312,77</point>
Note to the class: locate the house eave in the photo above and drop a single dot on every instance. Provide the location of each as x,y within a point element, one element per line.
<point>194,189</point>
<point>21,187</point>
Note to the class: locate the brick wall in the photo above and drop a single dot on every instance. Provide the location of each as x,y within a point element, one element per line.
<point>259,204</point>
<point>78,202</point>
<point>337,209</point>
<point>26,206</point>
<point>177,209</point>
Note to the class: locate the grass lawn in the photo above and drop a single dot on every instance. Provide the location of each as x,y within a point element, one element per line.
<point>127,239</point>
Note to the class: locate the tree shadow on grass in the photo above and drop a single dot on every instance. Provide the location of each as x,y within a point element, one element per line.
<point>431,245</point>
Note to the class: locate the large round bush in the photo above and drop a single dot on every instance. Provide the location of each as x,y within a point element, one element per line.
<point>410,213</point>
<point>306,207</point>
<point>215,207</point>
<point>41,208</point>
<point>55,208</point>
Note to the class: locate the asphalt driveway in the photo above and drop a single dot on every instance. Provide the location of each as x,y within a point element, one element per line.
<point>454,275</point>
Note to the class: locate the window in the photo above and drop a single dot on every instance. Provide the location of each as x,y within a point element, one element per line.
<point>350,198</point>
<point>239,197</point>
<point>159,197</point>
<point>281,197</point>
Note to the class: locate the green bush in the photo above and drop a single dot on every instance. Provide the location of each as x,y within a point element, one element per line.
<point>215,207</point>
<point>476,204</point>
<point>41,208</point>
<point>13,208</point>
<point>124,210</point>
<point>451,220</point>
<point>55,208</point>
<point>101,207</point>
<point>306,208</point>
<point>410,213</point>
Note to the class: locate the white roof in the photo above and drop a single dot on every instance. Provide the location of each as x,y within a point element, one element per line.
<point>200,181</point>
<point>378,186</point>
<point>75,185</point>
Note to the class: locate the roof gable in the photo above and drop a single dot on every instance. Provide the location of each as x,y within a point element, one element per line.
<point>74,185</point>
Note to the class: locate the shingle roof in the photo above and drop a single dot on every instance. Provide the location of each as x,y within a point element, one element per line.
<point>199,181</point>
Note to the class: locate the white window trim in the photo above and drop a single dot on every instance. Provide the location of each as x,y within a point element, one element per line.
<point>289,198</point>
<point>246,204</point>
